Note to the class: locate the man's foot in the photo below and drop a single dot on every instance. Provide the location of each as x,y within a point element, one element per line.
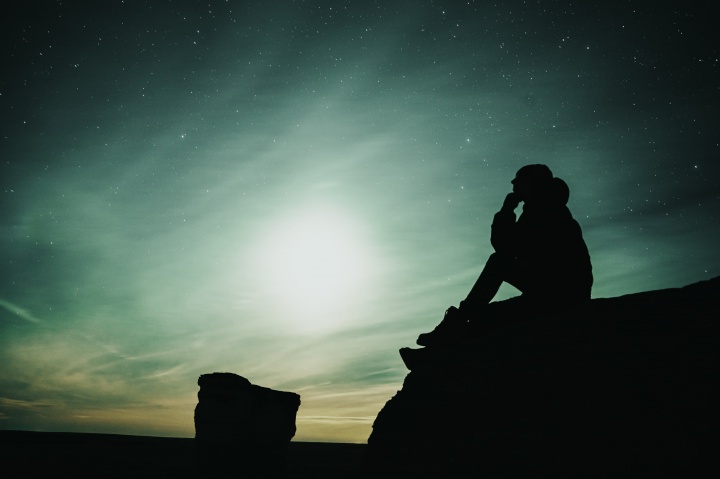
<point>413,358</point>
<point>448,329</point>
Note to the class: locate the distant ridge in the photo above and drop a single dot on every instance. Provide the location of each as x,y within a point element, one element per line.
<point>628,387</point>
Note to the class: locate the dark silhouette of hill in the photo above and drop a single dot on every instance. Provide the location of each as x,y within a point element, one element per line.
<point>51,454</point>
<point>55,454</point>
<point>625,387</point>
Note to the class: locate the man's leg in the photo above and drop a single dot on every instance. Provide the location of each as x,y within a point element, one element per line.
<point>498,268</point>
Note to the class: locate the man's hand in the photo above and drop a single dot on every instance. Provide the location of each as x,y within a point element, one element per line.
<point>511,202</point>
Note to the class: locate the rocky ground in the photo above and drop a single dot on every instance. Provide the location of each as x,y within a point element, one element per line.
<point>625,387</point>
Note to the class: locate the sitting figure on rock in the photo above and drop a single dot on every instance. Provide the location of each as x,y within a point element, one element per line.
<point>542,253</point>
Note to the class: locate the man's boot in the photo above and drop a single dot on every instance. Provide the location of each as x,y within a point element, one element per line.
<point>449,329</point>
<point>413,358</point>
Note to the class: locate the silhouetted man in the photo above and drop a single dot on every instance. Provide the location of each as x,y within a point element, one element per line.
<point>542,253</point>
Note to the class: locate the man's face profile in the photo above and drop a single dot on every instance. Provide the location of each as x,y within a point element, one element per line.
<point>522,186</point>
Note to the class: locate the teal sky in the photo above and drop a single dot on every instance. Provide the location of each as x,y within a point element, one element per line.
<point>293,190</point>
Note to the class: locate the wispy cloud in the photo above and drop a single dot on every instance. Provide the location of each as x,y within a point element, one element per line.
<point>20,312</point>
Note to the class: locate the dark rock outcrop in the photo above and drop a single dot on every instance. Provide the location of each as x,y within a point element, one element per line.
<point>626,387</point>
<point>240,424</point>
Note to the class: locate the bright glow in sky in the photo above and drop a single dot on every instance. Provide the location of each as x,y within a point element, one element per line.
<point>314,267</point>
<point>292,191</point>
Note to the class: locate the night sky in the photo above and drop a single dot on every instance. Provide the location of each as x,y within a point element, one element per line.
<point>293,190</point>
